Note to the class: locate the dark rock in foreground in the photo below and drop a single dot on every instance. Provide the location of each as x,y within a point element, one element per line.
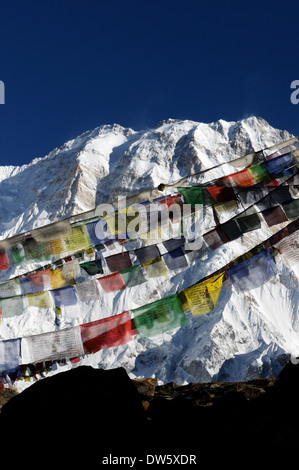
<point>102,412</point>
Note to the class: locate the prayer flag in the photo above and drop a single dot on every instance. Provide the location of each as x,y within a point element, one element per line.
<point>291,209</point>
<point>192,195</point>
<point>9,354</point>
<point>93,267</point>
<point>112,282</point>
<point>221,193</point>
<point>3,260</point>
<point>274,216</point>
<point>36,282</point>
<point>64,296</point>
<point>284,165</point>
<point>253,272</point>
<point>39,299</point>
<point>58,280</point>
<point>36,251</point>
<point>175,259</point>
<point>11,307</point>
<point>160,316</point>
<point>59,344</point>
<point>259,173</point>
<point>18,253</point>
<point>215,238</point>
<point>77,240</point>
<point>242,178</point>
<point>147,253</point>
<point>133,276</point>
<point>106,333</point>
<point>203,296</point>
<point>249,222</point>
<point>10,288</point>
<point>173,243</point>
<point>155,267</point>
<point>232,229</point>
<point>289,247</point>
<point>87,290</point>
<point>119,261</point>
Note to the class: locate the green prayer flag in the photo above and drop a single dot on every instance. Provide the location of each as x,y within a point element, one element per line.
<point>132,276</point>
<point>38,251</point>
<point>18,253</point>
<point>259,173</point>
<point>291,209</point>
<point>192,195</point>
<point>160,316</point>
<point>11,307</point>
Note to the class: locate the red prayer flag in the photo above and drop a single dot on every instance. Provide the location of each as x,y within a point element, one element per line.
<point>112,282</point>
<point>106,333</point>
<point>3,261</point>
<point>119,261</point>
<point>241,178</point>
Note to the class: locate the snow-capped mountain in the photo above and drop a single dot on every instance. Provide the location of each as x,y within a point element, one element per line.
<point>247,335</point>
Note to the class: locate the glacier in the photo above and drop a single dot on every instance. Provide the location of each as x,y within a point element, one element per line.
<point>248,335</point>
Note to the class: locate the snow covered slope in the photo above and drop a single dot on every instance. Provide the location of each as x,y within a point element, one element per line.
<point>247,335</point>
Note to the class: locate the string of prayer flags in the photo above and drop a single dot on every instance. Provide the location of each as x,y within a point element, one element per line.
<point>106,333</point>
<point>59,344</point>
<point>203,296</point>
<point>132,276</point>
<point>159,316</point>
<point>155,267</point>
<point>112,282</point>
<point>254,272</point>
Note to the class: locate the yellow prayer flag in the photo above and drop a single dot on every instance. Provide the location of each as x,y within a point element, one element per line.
<point>155,267</point>
<point>77,240</point>
<point>202,297</point>
<point>39,299</point>
<point>57,279</point>
<point>56,246</point>
<point>226,206</point>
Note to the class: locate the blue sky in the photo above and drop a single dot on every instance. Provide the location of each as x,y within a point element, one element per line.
<point>70,66</point>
